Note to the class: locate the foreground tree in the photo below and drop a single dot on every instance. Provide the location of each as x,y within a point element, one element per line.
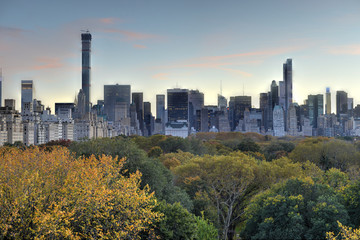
<point>298,209</point>
<point>154,173</point>
<point>53,195</point>
<point>346,233</point>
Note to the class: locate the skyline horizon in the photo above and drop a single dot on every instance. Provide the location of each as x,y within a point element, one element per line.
<point>189,45</point>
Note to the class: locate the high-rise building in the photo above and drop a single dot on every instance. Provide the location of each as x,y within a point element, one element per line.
<point>287,71</point>
<point>178,104</point>
<point>117,101</point>
<point>27,91</point>
<point>316,108</point>
<point>282,94</point>
<point>278,121</point>
<point>328,102</point>
<point>222,102</point>
<point>160,107</point>
<point>350,106</point>
<point>196,102</point>
<point>138,100</point>
<point>240,104</point>
<point>341,102</point>
<point>86,67</point>
<point>148,119</point>
<point>264,107</point>
<point>1,79</point>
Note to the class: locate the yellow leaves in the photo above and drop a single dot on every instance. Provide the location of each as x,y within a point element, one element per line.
<point>53,195</point>
<point>269,220</point>
<point>346,233</point>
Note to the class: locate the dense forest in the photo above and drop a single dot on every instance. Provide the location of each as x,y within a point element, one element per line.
<point>208,186</point>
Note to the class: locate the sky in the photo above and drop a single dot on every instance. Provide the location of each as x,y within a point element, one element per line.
<point>204,44</point>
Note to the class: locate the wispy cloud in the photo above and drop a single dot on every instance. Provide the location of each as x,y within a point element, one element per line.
<point>269,52</point>
<point>131,35</point>
<point>161,76</point>
<point>47,63</point>
<point>236,71</point>
<point>10,31</point>
<point>139,46</point>
<point>110,20</point>
<point>344,50</point>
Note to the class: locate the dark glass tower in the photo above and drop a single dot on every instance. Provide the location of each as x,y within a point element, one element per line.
<point>86,48</point>
<point>287,71</point>
<point>178,104</point>
<point>138,100</point>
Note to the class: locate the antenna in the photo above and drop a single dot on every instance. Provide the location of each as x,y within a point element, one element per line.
<point>221,87</point>
<point>243,90</point>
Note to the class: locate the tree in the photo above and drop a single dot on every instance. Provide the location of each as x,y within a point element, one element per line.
<point>154,173</point>
<point>225,191</point>
<point>54,195</point>
<point>177,222</point>
<point>222,186</point>
<point>248,145</point>
<point>296,209</point>
<point>326,153</point>
<point>346,233</point>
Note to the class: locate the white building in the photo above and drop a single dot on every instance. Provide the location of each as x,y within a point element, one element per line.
<point>177,129</point>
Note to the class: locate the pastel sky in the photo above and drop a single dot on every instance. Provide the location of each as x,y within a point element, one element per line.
<point>156,45</point>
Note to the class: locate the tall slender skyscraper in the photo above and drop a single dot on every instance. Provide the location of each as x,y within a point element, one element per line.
<point>86,67</point>
<point>328,102</point>
<point>287,70</point>
<point>1,87</point>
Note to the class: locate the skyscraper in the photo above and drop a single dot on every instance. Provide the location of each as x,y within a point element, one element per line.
<point>117,101</point>
<point>196,102</point>
<point>237,106</point>
<point>178,104</point>
<point>86,67</point>
<point>160,107</point>
<point>341,103</point>
<point>1,79</point>
<point>26,93</point>
<point>316,108</point>
<point>287,71</point>
<point>138,100</point>
<point>328,101</point>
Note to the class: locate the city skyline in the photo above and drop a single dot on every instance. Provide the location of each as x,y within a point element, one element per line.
<point>190,45</point>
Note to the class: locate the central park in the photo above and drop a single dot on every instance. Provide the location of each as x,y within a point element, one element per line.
<point>208,186</point>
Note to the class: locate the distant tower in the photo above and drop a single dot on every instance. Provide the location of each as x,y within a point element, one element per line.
<point>27,91</point>
<point>86,48</point>
<point>1,79</point>
<point>160,107</point>
<point>287,68</point>
<point>328,102</point>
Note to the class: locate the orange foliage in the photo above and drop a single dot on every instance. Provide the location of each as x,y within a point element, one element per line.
<point>53,195</point>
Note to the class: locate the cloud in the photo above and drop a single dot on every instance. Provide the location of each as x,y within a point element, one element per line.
<point>161,76</point>
<point>245,74</point>
<point>10,31</point>
<point>344,50</point>
<point>270,52</point>
<point>139,46</point>
<point>48,63</point>
<point>131,35</point>
<point>110,20</point>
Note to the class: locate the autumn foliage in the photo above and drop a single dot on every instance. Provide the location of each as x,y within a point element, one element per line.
<point>55,195</point>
